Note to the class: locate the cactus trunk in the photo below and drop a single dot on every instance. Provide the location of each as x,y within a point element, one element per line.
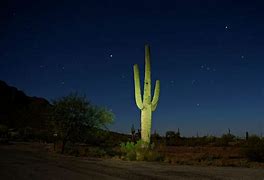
<point>146,106</point>
<point>146,114</point>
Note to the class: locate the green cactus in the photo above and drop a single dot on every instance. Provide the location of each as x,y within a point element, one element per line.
<point>147,106</point>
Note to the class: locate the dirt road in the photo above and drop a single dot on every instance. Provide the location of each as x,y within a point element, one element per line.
<point>21,163</point>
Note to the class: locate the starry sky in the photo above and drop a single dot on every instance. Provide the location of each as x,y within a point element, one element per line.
<point>208,55</point>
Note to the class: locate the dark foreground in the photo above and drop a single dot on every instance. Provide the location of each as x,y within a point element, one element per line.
<point>24,161</point>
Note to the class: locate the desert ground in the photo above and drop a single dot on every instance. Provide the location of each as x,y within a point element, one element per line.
<point>32,161</point>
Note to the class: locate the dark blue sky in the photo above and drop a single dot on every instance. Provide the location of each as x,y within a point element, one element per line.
<point>209,56</point>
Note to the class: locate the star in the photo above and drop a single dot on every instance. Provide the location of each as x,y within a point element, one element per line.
<point>207,68</point>
<point>171,83</point>
<point>111,55</point>
<point>242,57</point>
<point>203,66</point>
<point>197,104</point>
<point>226,27</point>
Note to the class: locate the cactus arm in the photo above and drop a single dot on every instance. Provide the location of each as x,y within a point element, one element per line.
<point>137,87</point>
<point>153,107</point>
<point>156,96</point>
<point>147,81</point>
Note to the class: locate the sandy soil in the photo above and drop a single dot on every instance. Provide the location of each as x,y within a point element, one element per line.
<point>26,161</point>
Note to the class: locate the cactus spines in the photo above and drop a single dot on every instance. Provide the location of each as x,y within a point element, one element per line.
<point>145,104</point>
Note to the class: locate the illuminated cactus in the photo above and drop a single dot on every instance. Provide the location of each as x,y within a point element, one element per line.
<point>147,106</point>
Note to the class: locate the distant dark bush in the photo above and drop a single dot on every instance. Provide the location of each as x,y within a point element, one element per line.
<point>254,149</point>
<point>3,134</point>
<point>198,141</point>
<point>173,138</point>
<point>73,152</point>
<point>208,157</point>
<point>193,141</point>
<point>225,140</point>
<point>95,152</point>
<point>26,133</point>
<point>44,136</point>
<point>3,131</point>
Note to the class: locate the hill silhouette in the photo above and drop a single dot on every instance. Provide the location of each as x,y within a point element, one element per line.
<point>17,110</point>
<point>24,113</point>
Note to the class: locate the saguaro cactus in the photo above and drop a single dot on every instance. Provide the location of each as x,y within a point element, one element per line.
<point>147,106</point>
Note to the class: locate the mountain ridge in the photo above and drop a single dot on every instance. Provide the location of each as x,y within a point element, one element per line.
<point>18,110</point>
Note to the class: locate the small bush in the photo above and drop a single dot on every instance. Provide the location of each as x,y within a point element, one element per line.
<point>140,151</point>
<point>128,150</point>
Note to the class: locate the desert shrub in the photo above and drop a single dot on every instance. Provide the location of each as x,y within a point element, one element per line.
<point>27,133</point>
<point>191,142</point>
<point>128,150</point>
<point>96,137</point>
<point>3,134</point>
<point>91,151</point>
<point>254,149</point>
<point>140,151</point>
<point>95,152</point>
<point>199,141</point>
<point>157,139</point>
<point>13,134</point>
<point>45,136</point>
<point>73,152</point>
<point>111,152</point>
<point>173,138</point>
<point>210,139</point>
<point>153,156</point>
<point>225,139</point>
<point>3,131</point>
<point>194,141</point>
<point>208,157</point>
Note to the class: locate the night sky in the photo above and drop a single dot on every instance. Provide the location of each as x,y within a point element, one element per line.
<point>208,55</point>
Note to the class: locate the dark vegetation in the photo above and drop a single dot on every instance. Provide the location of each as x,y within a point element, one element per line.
<point>73,118</point>
<point>76,127</point>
